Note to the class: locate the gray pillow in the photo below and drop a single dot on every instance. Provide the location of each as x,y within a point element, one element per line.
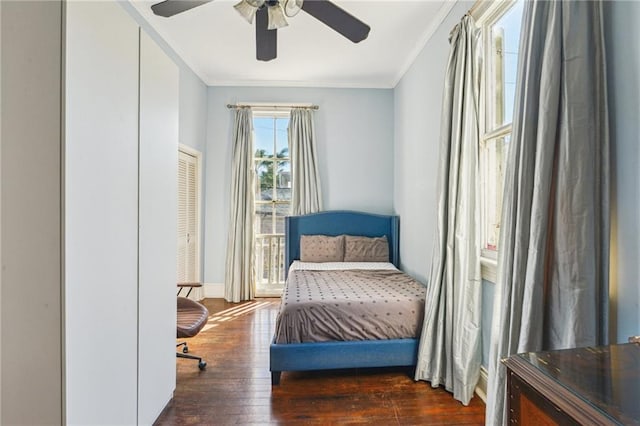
<point>321,248</point>
<point>365,249</point>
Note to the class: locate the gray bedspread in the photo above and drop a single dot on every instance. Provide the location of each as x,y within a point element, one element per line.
<point>320,306</point>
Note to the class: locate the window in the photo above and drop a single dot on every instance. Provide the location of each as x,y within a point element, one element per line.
<point>272,199</point>
<point>500,26</point>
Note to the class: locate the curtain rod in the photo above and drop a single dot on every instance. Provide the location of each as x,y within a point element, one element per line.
<point>230,106</point>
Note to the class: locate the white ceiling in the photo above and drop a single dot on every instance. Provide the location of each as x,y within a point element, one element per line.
<point>219,45</point>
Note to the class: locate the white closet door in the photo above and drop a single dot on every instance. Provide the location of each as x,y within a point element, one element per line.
<point>159,81</point>
<point>101,214</point>
<point>188,234</point>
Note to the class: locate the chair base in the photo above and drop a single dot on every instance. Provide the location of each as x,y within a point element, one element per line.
<point>201,364</point>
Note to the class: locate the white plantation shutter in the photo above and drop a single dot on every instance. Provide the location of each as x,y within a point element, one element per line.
<point>192,224</point>
<point>187,218</point>
<point>182,216</point>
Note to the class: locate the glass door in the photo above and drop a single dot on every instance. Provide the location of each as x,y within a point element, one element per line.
<point>272,201</point>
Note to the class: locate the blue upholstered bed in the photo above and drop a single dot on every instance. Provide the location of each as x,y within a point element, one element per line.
<point>341,354</point>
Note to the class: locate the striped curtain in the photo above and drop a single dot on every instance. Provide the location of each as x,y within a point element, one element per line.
<point>239,279</point>
<point>306,197</point>
<point>450,353</point>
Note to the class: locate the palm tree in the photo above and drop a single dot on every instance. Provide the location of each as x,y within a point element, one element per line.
<point>270,165</point>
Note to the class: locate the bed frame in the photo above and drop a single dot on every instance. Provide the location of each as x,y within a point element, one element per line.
<point>333,355</point>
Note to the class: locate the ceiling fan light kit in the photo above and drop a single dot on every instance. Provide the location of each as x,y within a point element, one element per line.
<point>276,15</point>
<point>292,7</point>
<point>271,16</point>
<point>247,8</point>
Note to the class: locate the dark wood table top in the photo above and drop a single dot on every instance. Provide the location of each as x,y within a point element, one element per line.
<point>605,379</point>
<point>189,284</point>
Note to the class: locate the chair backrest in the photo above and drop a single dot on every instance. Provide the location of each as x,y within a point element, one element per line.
<point>191,317</point>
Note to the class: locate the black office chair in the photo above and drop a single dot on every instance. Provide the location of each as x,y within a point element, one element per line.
<point>192,316</point>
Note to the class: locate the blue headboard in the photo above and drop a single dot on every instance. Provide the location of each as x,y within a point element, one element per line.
<point>337,223</point>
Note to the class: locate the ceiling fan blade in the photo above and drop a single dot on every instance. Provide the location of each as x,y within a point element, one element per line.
<point>169,8</point>
<point>337,18</point>
<point>266,39</point>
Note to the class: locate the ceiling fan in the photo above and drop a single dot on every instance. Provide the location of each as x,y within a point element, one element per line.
<point>270,15</point>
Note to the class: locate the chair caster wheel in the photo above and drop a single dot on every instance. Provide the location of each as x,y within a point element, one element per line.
<point>185,350</point>
<point>202,365</point>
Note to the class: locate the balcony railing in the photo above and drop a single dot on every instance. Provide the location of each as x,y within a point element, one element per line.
<point>269,255</point>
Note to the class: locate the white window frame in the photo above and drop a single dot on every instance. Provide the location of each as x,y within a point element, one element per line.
<point>486,13</point>
<point>268,112</point>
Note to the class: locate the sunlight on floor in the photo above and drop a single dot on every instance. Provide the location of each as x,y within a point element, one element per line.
<point>235,312</point>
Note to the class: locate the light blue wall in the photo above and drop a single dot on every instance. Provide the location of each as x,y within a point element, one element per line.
<point>418,104</point>
<point>193,133</point>
<point>354,129</point>
<point>193,111</point>
<point>488,289</point>
<point>623,53</point>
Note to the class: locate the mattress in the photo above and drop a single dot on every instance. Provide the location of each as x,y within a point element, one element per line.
<point>349,304</point>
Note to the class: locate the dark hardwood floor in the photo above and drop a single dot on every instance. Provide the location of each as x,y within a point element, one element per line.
<point>236,386</point>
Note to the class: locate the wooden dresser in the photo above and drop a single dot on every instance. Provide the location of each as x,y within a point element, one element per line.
<point>585,386</point>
